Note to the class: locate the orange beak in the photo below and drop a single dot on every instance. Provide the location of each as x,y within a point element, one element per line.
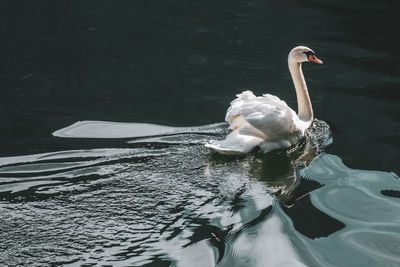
<point>313,58</point>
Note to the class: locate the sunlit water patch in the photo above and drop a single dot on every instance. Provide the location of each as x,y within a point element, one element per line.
<point>168,200</point>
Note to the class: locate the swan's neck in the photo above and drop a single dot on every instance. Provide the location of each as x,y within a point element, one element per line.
<point>305,111</point>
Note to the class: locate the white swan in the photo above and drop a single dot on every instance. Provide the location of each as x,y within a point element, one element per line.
<point>266,121</point>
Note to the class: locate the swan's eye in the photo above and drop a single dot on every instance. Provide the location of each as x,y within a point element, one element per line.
<point>309,54</point>
<point>311,57</point>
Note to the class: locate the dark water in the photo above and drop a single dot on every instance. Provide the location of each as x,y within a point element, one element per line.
<point>110,191</point>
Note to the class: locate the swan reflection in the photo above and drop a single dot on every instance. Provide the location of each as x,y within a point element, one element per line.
<point>281,170</point>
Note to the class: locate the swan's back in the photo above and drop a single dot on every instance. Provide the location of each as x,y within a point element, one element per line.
<point>266,114</point>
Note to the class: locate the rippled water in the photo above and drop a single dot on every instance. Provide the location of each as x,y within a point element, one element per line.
<point>100,163</point>
<point>168,200</point>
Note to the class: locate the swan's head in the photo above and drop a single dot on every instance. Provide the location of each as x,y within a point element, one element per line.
<point>303,54</point>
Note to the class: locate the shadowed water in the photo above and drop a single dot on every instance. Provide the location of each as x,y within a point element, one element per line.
<point>167,200</point>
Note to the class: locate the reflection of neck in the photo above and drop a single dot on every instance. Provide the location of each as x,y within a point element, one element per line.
<point>305,111</point>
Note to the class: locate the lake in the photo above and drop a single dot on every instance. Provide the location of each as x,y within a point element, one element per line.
<point>105,107</point>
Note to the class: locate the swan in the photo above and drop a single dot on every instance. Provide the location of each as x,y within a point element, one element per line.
<point>266,121</point>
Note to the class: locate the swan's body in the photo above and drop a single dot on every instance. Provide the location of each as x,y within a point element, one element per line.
<point>266,121</point>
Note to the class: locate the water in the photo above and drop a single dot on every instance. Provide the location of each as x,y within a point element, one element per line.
<point>84,182</point>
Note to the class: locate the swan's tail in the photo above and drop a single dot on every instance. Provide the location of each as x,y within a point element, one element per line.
<point>235,144</point>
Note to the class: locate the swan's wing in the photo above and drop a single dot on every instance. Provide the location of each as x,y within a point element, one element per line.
<point>236,105</point>
<point>235,119</point>
<point>266,114</point>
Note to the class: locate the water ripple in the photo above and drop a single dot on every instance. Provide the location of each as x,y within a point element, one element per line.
<point>176,203</point>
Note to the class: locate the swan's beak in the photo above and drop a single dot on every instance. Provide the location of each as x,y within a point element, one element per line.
<point>313,58</point>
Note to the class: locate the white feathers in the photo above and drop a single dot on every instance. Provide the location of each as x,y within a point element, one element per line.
<point>265,121</point>
<point>235,143</point>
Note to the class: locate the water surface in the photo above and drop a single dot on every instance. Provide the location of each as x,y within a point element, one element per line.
<point>101,162</point>
<point>168,200</point>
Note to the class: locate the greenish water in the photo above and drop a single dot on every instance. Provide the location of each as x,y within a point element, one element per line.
<point>101,162</point>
